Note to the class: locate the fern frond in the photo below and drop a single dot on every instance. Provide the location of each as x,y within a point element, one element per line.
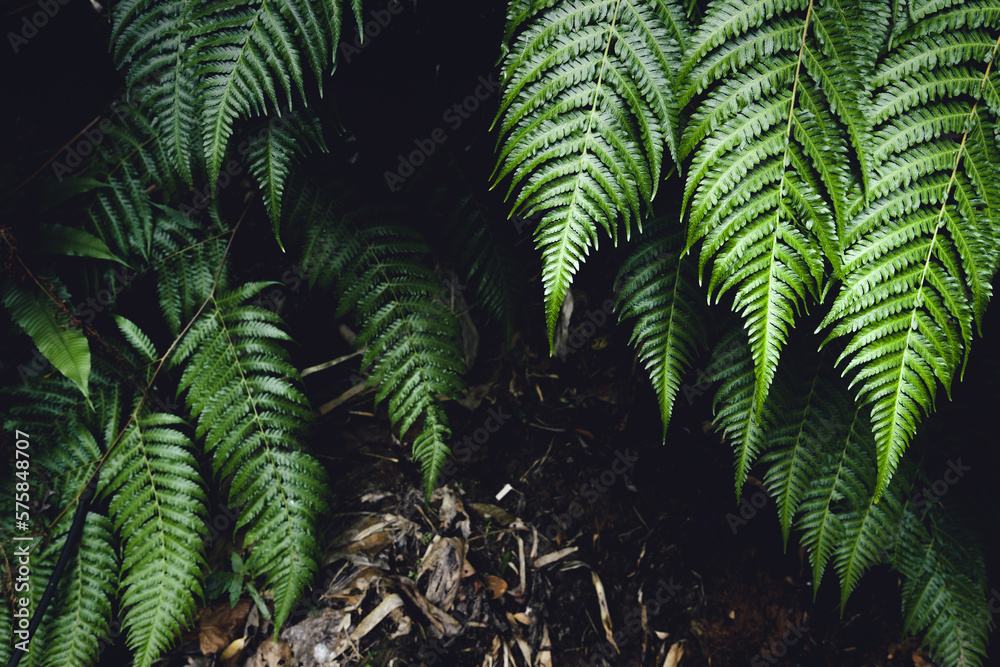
<point>943,596</point>
<point>767,185</point>
<point>805,427</point>
<point>74,635</point>
<point>587,107</point>
<point>820,518</point>
<point>150,36</point>
<point>920,257</point>
<point>188,258</point>
<point>246,57</point>
<point>240,387</point>
<point>413,354</point>
<point>380,277</point>
<point>274,149</point>
<point>657,287</point>
<point>733,405</point>
<point>159,507</point>
<point>51,330</point>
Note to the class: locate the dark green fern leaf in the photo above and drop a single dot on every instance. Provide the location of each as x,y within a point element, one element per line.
<point>658,288</point>
<point>943,595</point>
<point>241,388</point>
<point>245,57</point>
<point>74,637</point>
<point>274,149</point>
<point>51,329</point>
<point>804,429</point>
<point>380,276</point>
<point>160,508</point>
<point>587,108</point>
<point>920,257</point>
<point>768,183</point>
<point>733,405</point>
<point>413,355</point>
<point>150,37</point>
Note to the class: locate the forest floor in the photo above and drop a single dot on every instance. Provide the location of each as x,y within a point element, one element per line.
<point>563,533</point>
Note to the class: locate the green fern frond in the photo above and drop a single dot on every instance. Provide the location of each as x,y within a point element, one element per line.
<point>200,66</point>
<point>241,389</point>
<point>246,57</point>
<point>273,151</point>
<point>73,637</point>
<point>150,37</point>
<point>920,257</point>
<point>586,110</point>
<point>943,596</point>
<point>380,277</point>
<point>188,258</point>
<point>820,517</point>
<point>658,288</point>
<point>768,183</point>
<point>733,405</point>
<point>159,507</point>
<point>413,354</point>
<point>51,330</point>
<point>804,429</point>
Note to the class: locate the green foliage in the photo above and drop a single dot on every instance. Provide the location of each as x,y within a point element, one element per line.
<point>821,472</point>
<point>658,289</point>
<point>919,255</point>
<point>51,329</point>
<point>240,388</point>
<point>587,107</point>
<point>202,65</point>
<point>409,335</point>
<point>844,148</point>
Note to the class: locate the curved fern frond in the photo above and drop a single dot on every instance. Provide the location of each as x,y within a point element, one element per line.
<point>274,149</point>
<point>380,277</point>
<point>240,387</point>
<point>804,428</point>
<point>150,36</point>
<point>73,637</point>
<point>413,355</point>
<point>768,183</point>
<point>943,595</point>
<point>246,56</point>
<point>587,107</point>
<point>160,508</point>
<point>733,405</point>
<point>52,331</point>
<point>658,288</point>
<point>921,256</point>
<point>200,66</point>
